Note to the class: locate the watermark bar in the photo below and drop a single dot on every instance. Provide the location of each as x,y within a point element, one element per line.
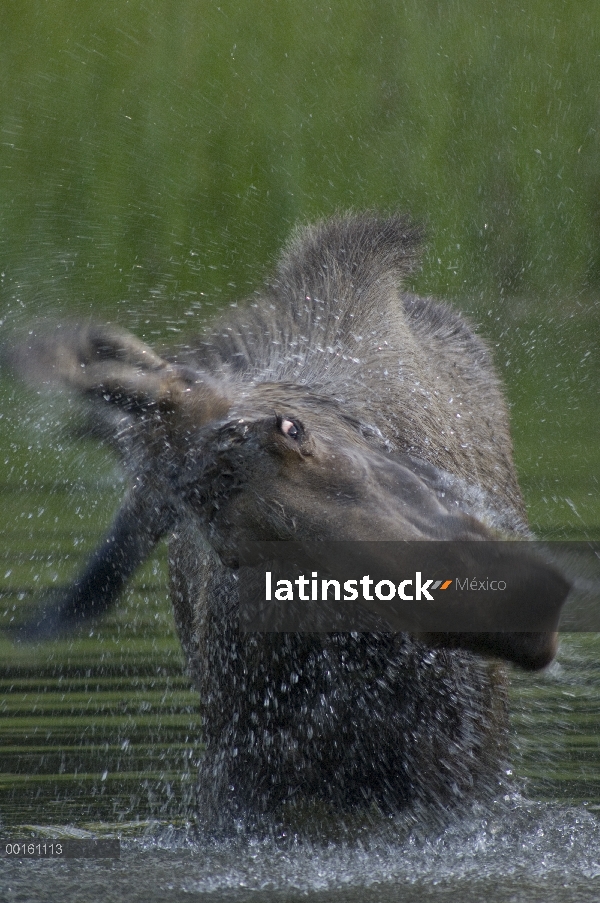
<point>60,849</point>
<point>470,586</point>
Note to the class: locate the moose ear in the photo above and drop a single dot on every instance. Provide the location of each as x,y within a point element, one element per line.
<point>100,361</point>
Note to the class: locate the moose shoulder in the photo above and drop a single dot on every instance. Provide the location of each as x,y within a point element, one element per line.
<point>335,406</point>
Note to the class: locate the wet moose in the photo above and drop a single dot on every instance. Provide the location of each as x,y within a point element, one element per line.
<point>332,406</point>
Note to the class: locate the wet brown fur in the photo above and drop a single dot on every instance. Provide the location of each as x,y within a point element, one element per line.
<point>376,377</point>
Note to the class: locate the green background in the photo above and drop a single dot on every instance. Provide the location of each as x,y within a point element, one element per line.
<point>164,148</point>
<point>154,157</point>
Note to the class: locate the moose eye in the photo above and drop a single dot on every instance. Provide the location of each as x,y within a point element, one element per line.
<point>289,427</point>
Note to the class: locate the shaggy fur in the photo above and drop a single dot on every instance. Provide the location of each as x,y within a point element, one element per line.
<point>400,431</point>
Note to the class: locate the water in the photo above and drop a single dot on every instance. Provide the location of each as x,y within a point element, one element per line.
<point>517,851</point>
<point>100,734</point>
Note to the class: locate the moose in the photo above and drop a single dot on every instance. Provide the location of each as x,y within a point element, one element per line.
<point>334,405</point>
